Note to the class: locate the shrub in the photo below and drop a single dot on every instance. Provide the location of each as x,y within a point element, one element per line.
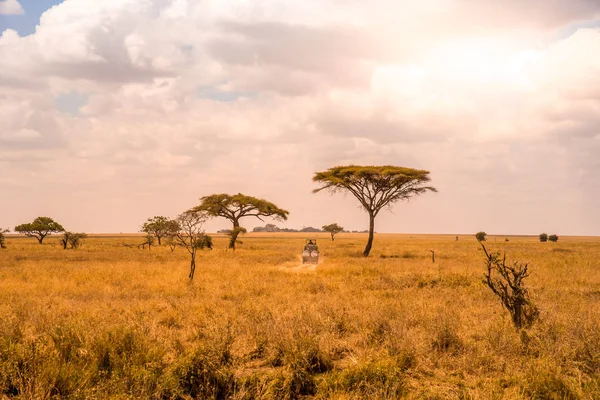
<point>375,379</point>
<point>553,238</point>
<point>293,382</point>
<point>510,289</point>
<point>72,238</point>
<point>481,236</point>
<point>2,238</point>
<point>543,237</point>
<point>203,375</point>
<point>548,384</point>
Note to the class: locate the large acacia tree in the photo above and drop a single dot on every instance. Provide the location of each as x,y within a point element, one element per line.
<point>375,187</point>
<point>235,207</point>
<point>40,228</point>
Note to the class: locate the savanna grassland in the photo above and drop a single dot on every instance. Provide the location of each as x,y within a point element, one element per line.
<point>106,321</point>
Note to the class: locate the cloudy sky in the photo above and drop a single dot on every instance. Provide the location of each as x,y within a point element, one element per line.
<point>117,110</point>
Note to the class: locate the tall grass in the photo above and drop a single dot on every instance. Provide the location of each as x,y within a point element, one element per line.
<point>107,321</point>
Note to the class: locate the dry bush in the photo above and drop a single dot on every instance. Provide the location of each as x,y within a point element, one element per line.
<point>510,288</point>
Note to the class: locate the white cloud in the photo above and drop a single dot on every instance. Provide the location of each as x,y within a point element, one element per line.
<point>11,7</point>
<point>184,98</point>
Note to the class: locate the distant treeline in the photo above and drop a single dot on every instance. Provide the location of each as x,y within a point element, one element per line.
<point>275,228</point>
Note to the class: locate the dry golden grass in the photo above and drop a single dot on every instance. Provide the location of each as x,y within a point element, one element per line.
<point>107,321</point>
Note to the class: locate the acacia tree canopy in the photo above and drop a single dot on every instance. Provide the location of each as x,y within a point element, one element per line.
<point>158,226</point>
<point>234,207</point>
<point>40,228</point>
<point>333,229</point>
<point>375,187</point>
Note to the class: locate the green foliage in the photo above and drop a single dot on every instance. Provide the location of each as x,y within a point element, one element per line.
<point>237,206</point>
<point>203,242</point>
<point>40,228</point>
<point>375,187</point>
<point>3,238</point>
<point>234,233</point>
<point>234,207</point>
<point>333,229</point>
<point>160,227</point>
<point>480,236</point>
<point>553,238</point>
<point>543,237</point>
<point>74,239</point>
<point>149,241</point>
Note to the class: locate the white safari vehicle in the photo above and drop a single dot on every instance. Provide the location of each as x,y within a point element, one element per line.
<point>310,254</point>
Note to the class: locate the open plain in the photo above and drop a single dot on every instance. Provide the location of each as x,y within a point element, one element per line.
<point>109,321</point>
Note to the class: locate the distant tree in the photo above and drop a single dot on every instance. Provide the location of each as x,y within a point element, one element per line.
<point>480,236</point>
<point>235,207</point>
<point>375,187</point>
<point>553,238</point>
<point>171,233</point>
<point>3,238</point>
<point>191,236</point>
<point>543,237</point>
<point>310,229</point>
<point>271,228</point>
<point>40,228</point>
<point>157,226</point>
<point>333,229</point>
<point>149,241</point>
<point>74,239</point>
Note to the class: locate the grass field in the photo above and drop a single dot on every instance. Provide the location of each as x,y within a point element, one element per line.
<point>106,321</point>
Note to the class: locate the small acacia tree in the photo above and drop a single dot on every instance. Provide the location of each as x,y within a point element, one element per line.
<point>149,240</point>
<point>553,238</point>
<point>191,236</point>
<point>235,207</point>
<point>3,238</point>
<point>40,228</point>
<point>543,237</point>
<point>74,239</point>
<point>375,187</point>
<point>333,229</point>
<point>480,236</point>
<point>157,226</point>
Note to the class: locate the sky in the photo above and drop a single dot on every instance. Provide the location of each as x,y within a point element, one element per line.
<point>118,110</point>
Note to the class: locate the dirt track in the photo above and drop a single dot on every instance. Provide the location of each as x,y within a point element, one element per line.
<point>302,267</point>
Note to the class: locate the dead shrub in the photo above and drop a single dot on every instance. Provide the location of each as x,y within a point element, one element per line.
<point>509,287</point>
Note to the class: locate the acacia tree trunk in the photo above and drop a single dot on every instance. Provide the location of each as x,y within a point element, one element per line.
<point>192,264</point>
<point>234,234</point>
<point>332,236</point>
<point>159,243</point>
<point>40,238</point>
<point>371,231</point>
